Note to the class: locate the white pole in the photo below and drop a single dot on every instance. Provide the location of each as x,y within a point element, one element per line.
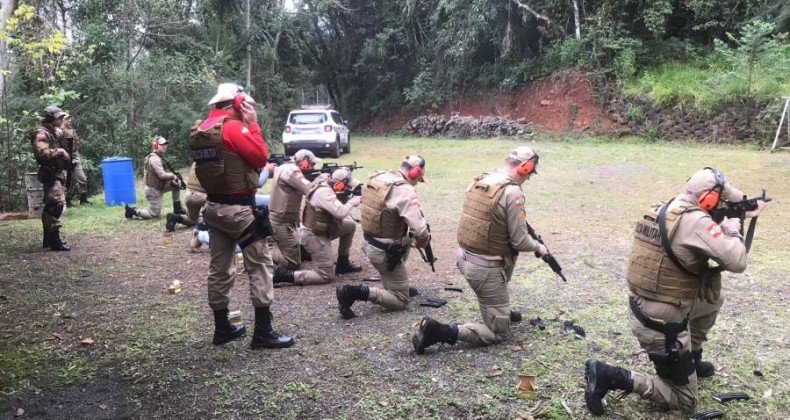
<point>781,120</point>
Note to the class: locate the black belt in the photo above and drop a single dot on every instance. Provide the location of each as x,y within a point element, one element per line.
<point>670,329</point>
<point>232,200</point>
<point>375,242</point>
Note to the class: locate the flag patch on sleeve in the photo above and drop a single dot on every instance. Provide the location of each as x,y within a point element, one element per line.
<point>714,230</point>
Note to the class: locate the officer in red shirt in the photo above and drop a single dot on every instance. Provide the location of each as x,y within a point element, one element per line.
<point>229,151</point>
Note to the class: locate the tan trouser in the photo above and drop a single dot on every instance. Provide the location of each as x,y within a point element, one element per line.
<point>663,391</point>
<point>227,224</point>
<point>78,173</point>
<point>195,202</point>
<point>320,247</point>
<point>490,286</point>
<point>154,197</point>
<point>286,236</point>
<point>395,294</point>
<point>54,196</point>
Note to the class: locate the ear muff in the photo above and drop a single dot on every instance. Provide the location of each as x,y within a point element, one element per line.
<point>415,172</point>
<point>155,143</point>
<point>528,166</point>
<point>339,186</point>
<point>304,164</point>
<point>238,101</point>
<point>710,199</point>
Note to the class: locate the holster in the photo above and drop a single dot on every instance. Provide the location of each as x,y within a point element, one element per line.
<point>259,229</point>
<point>394,256</point>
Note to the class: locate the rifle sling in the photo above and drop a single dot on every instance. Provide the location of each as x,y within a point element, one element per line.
<point>750,234</point>
<point>662,231</point>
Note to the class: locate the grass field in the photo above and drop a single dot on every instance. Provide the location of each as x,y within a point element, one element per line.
<point>152,356</point>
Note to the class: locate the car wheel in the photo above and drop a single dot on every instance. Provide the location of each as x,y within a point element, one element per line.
<point>347,149</point>
<point>335,153</point>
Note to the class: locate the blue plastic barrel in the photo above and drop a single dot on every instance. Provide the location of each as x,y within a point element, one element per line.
<point>118,174</point>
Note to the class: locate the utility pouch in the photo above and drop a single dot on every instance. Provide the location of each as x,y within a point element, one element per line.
<point>711,286</point>
<point>259,229</point>
<point>394,255</point>
<point>673,366</point>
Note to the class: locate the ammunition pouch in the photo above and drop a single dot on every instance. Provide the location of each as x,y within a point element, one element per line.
<point>393,251</point>
<point>675,363</point>
<point>711,285</point>
<point>258,230</point>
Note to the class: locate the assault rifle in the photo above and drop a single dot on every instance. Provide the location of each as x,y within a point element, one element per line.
<point>277,159</point>
<point>70,164</point>
<point>739,209</point>
<point>328,168</point>
<point>347,194</point>
<point>427,253</point>
<point>548,258</point>
<point>181,185</point>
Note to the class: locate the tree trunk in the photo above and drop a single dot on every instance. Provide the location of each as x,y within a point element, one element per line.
<point>7,8</point>
<point>249,48</point>
<point>576,19</point>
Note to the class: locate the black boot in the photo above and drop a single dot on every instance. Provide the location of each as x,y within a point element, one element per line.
<point>177,209</point>
<point>264,337</point>
<point>602,378</point>
<point>224,331</point>
<point>283,274</point>
<point>345,266</point>
<point>56,243</point>
<point>84,199</point>
<point>172,221</point>
<point>130,211</point>
<point>704,369</point>
<point>515,316</point>
<point>305,254</point>
<point>347,295</point>
<point>432,332</point>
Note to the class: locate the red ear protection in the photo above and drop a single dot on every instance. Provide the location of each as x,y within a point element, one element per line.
<point>238,101</point>
<point>415,172</point>
<point>339,186</point>
<point>304,164</point>
<point>528,166</point>
<point>709,200</point>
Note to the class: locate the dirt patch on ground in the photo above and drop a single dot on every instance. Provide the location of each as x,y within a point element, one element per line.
<point>557,104</point>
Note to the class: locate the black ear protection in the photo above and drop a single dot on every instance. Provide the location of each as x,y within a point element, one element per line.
<point>710,199</point>
<point>528,166</point>
<point>415,172</point>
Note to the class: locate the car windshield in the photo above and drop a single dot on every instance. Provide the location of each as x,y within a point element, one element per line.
<point>314,118</point>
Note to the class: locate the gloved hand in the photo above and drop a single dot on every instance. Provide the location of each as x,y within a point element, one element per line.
<point>355,200</point>
<point>754,213</point>
<point>730,225</point>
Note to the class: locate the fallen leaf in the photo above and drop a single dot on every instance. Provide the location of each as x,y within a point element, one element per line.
<point>102,406</point>
<point>383,403</point>
<point>19,412</point>
<point>517,348</point>
<point>768,392</point>
<point>88,342</point>
<point>58,336</point>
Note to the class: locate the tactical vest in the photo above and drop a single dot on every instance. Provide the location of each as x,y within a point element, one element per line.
<point>192,181</point>
<point>651,273</point>
<point>285,202</point>
<point>150,179</point>
<point>481,229</point>
<point>378,220</point>
<point>218,170</point>
<point>55,142</point>
<point>320,221</point>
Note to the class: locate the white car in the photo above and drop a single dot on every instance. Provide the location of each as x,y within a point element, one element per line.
<point>319,130</point>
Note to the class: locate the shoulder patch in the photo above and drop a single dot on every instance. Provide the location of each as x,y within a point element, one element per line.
<point>520,201</point>
<point>714,230</point>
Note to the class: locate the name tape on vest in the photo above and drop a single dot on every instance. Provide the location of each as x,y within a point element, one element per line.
<point>205,154</point>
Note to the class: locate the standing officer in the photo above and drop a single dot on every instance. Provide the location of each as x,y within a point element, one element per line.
<point>77,171</point>
<point>675,295</point>
<point>158,178</point>
<point>49,149</point>
<point>392,220</point>
<point>491,233</point>
<point>288,188</point>
<point>228,149</point>
<point>324,219</point>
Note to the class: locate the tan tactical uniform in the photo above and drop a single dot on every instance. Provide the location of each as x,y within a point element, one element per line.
<point>390,205</point>
<point>77,171</point>
<point>196,197</point>
<point>288,188</point>
<point>667,295</point>
<point>47,142</point>
<point>157,180</point>
<point>491,233</point>
<point>324,219</point>
<point>229,222</point>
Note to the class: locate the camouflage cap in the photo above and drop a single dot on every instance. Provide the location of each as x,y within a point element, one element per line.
<point>705,180</point>
<point>52,113</point>
<point>344,175</point>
